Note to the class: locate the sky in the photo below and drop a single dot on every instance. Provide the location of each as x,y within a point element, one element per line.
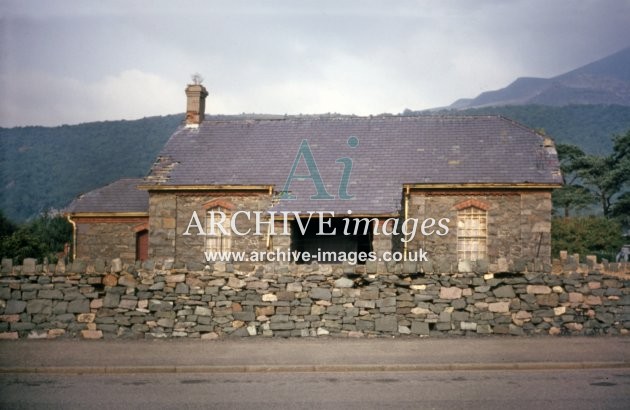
<point>70,61</point>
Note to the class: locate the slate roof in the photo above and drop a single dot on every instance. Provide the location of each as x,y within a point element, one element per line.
<point>391,151</point>
<point>119,196</point>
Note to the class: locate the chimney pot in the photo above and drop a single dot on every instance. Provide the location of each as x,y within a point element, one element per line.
<point>195,104</point>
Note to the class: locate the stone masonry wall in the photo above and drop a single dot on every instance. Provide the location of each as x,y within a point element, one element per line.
<point>149,300</point>
<point>191,248</point>
<point>171,214</point>
<point>163,211</point>
<point>519,226</point>
<point>95,239</point>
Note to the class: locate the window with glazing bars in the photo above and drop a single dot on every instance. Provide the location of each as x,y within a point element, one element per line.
<point>219,241</point>
<point>472,234</point>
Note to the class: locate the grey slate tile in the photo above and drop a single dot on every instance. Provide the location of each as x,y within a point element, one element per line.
<point>119,196</point>
<point>391,151</point>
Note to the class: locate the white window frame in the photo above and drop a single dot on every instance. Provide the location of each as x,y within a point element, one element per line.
<point>219,242</point>
<point>472,234</point>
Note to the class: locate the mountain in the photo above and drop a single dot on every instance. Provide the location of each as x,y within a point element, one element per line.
<point>605,81</point>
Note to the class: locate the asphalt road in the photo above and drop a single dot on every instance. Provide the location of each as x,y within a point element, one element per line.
<point>344,353</point>
<point>521,389</point>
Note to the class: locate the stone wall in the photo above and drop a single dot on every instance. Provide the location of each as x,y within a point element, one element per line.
<point>519,224</point>
<point>519,227</point>
<point>171,214</point>
<point>191,248</point>
<point>163,211</point>
<point>107,236</point>
<point>149,300</point>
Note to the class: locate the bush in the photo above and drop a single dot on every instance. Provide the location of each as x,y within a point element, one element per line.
<point>588,235</point>
<point>44,237</point>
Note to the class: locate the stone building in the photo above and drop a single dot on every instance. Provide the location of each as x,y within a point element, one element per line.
<point>112,220</point>
<point>472,192</point>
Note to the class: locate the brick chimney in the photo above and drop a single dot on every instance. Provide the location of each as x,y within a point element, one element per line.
<point>195,103</point>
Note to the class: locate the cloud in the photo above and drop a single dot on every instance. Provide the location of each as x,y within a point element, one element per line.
<point>37,98</point>
<point>68,62</point>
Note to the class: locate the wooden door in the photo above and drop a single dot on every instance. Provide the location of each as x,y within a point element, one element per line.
<point>142,245</point>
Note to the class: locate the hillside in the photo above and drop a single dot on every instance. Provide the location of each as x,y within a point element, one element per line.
<point>46,167</point>
<point>588,126</point>
<point>605,81</point>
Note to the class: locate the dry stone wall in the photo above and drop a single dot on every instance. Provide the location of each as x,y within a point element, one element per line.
<point>116,300</point>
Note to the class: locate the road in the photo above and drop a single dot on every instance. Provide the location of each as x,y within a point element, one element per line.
<point>521,389</point>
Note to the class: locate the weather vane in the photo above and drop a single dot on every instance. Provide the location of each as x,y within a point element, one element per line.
<point>197,78</point>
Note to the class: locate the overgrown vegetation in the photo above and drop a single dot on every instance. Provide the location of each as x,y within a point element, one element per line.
<point>43,237</point>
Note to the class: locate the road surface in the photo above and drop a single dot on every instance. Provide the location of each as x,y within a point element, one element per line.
<point>520,389</point>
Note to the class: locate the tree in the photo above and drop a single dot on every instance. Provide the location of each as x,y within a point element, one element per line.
<point>6,226</point>
<point>621,209</point>
<point>572,196</point>
<point>589,179</point>
<point>605,177</point>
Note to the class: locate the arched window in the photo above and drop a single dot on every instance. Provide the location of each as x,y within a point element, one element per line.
<point>218,231</point>
<point>472,233</point>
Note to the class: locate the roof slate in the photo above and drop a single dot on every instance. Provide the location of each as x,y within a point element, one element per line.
<point>119,196</point>
<point>391,151</point>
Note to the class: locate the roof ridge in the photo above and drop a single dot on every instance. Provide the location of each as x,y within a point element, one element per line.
<point>522,126</point>
<point>128,179</point>
<point>354,117</point>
